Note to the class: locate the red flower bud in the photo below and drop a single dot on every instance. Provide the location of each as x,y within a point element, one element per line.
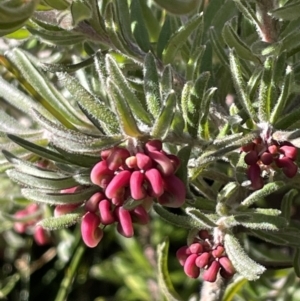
<point>266,158</point>
<point>144,162</point>
<point>114,188</point>
<point>156,182</point>
<point>273,149</point>
<point>203,260</point>
<point>196,248</point>
<point>227,265</point>
<point>164,164</point>
<point>204,234</point>
<point>218,251</point>
<point>289,151</point>
<point>254,176</point>
<point>106,212</point>
<point>64,209</point>
<point>93,202</point>
<point>154,145</point>
<point>137,190</point>
<point>190,268</point>
<point>140,215</point>
<point>175,161</point>
<point>131,162</point>
<point>211,273</point>
<point>90,231</point>
<point>117,158</point>
<point>289,168</point>
<point>251,158</point>
<point>248,147</point>
<point>182,254</point>
<point>124,227</point>
<point>41,236</point>
<point>101,175</point>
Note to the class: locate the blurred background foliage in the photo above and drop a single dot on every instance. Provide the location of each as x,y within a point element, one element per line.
<point>192,35</point>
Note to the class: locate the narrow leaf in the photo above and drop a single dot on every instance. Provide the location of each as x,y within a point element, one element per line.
<point>64,221</point>
<point>164,279</point>
<point>287,202</point>
<point>162,123</point>
<point>180,37</point>
<point>200,217</point>
<point>260,194</point>
<point>296,261</point>
<point>289,11</point>
<point>240,260</point>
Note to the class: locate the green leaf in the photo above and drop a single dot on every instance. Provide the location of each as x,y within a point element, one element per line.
<point>296,261</point>
<point>178,7</point>
<point>234,41</point>
<point>178,39</point>
<point>194,63</point>
<point>162,124</point>
<point>59,198</point>
<point>164,279</point>
<point>90,104</point>
<point>195,103</point>
<point>287,202</point>
<point>80,11</point>
<point>260,194</point>
<point>200,217</point>
<point>181,221</point>
<point>240,260</point>
<point>289,11</point>
<point>42,183</point>
<point>138,26</point>
<point>265,91</point>
<point>151,85</point>
<point>126,119</point>
<point>60,222</point>
<point>120,81</point>
<point>282,99</point>
<point>239,85</point>
<point>245,8</point>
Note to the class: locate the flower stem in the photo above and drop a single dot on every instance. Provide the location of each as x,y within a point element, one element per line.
<point>213,291</point>
<point>70,273</point>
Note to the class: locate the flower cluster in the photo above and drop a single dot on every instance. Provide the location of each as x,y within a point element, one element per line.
<point>26,220</point>
<point>130,184</point>
<point>202,254</point>
<point>265,156</point>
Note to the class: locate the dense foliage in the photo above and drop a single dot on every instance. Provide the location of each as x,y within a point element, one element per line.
<point>149,150</point>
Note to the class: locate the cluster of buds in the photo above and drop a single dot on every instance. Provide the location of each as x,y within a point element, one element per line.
<point>130,183</point>
<point>262,156</point>
<point>26,220</point>
<point>203,254</point>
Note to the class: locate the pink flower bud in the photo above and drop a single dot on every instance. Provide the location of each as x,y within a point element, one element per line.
<point>32,208</point>
<point>196,248</point>
<point>105,153</point>
<point>164,164</point>
<point>20,227</point>
<point>117,158</point>
<point>182,254</point>
<point>248,147</point>
<point>289,151</point>
<point>124,227</point>
<point>289,168</point>
<point>41,236</point>
<point>156,182</point>
<point>144,162</point>
<point>90,231</point>
<point>93,202</point>
<point>131,162</point>
<point>227,265</point>
<point>190,267</point>
<point>101,175</point>
<point>175,187</point>
<point>137,190</point>
<point>154,145</point>
<point>254,176</point>
<point>218,251</point>
<point>64,209</point>
<point>273,149</point>
<point>251,158</point>
<point>203,260</point>
<point>118,183</point>
<point>204,234</point>
<point>266,158</point>
<point>139,215</point>
<point>211,273</point>
<point>174,160</point>
<point>119,200</point>
<point>106,212</point>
